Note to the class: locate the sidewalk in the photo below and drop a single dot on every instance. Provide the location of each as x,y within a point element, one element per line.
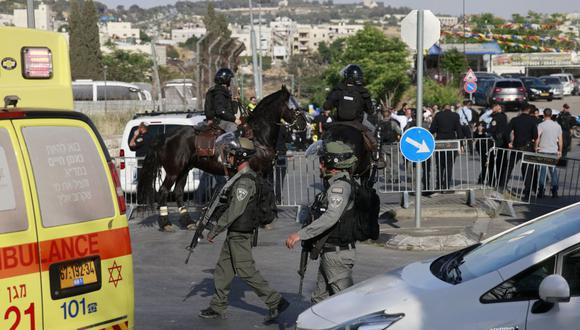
<point>447,223</point>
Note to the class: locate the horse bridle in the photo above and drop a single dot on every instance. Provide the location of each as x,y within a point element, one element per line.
<point>295,106</point>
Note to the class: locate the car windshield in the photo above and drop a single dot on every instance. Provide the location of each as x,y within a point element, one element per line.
<point>479,260</point>
<point>508,84</point>
<point>533,82</point>
<point>551,81</point>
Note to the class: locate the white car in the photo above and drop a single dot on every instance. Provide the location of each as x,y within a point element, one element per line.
<point>568,81</point>
<point>158,123</point>
<point>527,278</point>
<point>89,90</point>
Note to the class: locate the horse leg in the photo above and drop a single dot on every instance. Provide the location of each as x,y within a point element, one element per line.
<point>184,218</point>
<point>163,220</point>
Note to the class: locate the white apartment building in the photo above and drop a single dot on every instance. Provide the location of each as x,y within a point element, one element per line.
<point>263,38</point>
<point>43,17</point>
<point>448,20</point>
<point>181,35</point>
<point>308,37</point>
<point>120,31</point>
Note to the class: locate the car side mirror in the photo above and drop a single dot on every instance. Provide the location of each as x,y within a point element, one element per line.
<point>554,289</point>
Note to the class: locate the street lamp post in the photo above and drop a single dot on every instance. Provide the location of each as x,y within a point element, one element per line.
<point>105,76</point>
<point>257,88</point>
<point>464,29</point>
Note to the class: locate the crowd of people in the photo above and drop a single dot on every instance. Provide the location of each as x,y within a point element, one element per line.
<point>545,131</point>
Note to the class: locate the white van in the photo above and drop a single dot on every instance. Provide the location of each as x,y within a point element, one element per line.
<point>158,123</point>
<point>570,87</point>
<point>90,90</point>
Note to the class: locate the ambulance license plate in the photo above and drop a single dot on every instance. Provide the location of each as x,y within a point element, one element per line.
<point>73,277</point>
<point>77,274</point>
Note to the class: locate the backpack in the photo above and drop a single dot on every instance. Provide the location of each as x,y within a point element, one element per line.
<point>365,211</point>
<point>265,210</point>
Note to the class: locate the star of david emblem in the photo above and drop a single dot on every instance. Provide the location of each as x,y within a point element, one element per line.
<point>115,269</point>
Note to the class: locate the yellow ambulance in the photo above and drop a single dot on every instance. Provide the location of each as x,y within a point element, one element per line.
<point>65,250</point>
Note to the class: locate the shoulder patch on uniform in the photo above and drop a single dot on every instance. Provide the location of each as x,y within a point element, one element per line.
<point>348,98</point>
<point>335,201</point>
<point>337,190</point>
<point>241,194</point>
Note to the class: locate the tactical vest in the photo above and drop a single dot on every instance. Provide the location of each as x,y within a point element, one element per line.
<point>350,104</point>
<point>342,233</point>
<point>246,223</point>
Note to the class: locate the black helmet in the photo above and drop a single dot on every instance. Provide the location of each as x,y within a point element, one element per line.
<point>223,76</point>
<point>230,144</point>
<point>353,74</point>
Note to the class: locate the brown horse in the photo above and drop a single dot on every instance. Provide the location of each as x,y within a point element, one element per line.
<point>177,153</point>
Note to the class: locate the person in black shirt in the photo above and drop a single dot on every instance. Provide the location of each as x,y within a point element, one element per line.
<point>140,144</point>
<point>445,126</point>
<point>219,107</point>
<point>497,131</point>
<point>567,122</point>
<point>351,100</point>
<point>523,132</point>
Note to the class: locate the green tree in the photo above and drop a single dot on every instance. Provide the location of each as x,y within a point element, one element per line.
<point>454,62</point>
<point>127,66</point>
<point>94,57</point>
<point>216,24</point>
<point>76,40</point>
<point>434,93</point>
<point>144,36</point>
<point>383,60</point>
<point>190,43</point>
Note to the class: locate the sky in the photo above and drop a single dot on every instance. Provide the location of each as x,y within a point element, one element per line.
<point>502,8</point>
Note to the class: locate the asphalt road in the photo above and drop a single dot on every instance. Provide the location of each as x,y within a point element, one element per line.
<point>169,294</point>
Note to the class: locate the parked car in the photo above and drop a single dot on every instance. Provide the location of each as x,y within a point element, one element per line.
<point>556,86</point>
<point>570,85</point>
<point>536,89</point>
<point>480,95</point>
<point>526,278</point>
<point>158,123</point>
<point>179,95</point>
<point>513,75</point>
<point>510,93</point>
<point>90,90</point>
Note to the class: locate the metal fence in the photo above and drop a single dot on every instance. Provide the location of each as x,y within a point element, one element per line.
<point>527,177</point>
<point>129,106</point>
<point>455,165</point>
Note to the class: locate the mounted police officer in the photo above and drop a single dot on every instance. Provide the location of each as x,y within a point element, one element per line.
<point>236,216</point>
<point>333,225</point>
<point>351,100</point>
<point>219,107</point>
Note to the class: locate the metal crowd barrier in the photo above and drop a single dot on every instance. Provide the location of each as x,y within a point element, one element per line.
<point>528,177</point>
<point>296,180</point>
<point>454,166</point>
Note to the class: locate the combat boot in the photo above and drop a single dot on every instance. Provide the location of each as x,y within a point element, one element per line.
<point>275,312</point>
<point>209,313</point>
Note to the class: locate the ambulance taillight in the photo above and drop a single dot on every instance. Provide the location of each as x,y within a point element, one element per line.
<point>118,190</point>
<point>122,157</point>
<point>37,63</point>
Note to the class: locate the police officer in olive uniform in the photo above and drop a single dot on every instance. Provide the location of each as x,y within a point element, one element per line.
<point>219,107</point>
<point>351,100</point>
<point>236,217</point>
<point>338,252</point>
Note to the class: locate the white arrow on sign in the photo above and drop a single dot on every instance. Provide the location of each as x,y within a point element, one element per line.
<point>423,147</point>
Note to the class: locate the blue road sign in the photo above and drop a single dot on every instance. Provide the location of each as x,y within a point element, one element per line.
<point>417,144</point>
<point>470,87</point>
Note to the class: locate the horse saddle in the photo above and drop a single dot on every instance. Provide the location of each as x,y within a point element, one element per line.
<point>369,139</point>
<point>205,139</point>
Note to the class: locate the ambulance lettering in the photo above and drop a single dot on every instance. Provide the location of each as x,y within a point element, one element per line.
<point>16,292</point>
<point>52,251</point>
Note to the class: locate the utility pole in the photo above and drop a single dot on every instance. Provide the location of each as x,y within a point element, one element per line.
<point>464,29</point>
<point>419,167</point>
<point>30,14</point>
<point>198,69</point>
<point>156,75</point>
<point>257,88</point>
<point>260,45</point>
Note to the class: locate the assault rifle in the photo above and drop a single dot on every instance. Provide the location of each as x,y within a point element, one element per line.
<point>310,248</point>
<point>373,178</point>
<point>203,223</point>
